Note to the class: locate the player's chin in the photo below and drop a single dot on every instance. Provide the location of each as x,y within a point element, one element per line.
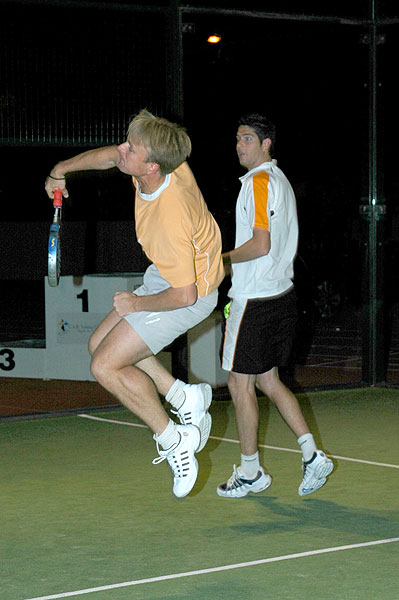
<point>123,168</point>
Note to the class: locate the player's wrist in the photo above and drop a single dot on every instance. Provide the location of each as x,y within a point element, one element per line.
<point>57,173</point>
<point>56,178</point>
<point>226,258</point>
<point>135,302</point>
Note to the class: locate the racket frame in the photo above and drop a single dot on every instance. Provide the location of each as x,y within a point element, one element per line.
<point>54,242</point>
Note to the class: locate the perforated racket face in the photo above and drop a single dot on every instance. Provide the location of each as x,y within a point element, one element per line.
<point>54,255</point>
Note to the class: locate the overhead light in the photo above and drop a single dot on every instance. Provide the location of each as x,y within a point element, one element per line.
<point>214,38</point>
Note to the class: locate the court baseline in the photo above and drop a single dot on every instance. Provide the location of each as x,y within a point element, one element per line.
<point>217,569</point>
<point>221,439</point>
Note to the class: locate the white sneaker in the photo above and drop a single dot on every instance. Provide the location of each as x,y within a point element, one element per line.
<point>237,486</point>
<point>315,473</point>
<point>181,459</point>
<point>194,410</point>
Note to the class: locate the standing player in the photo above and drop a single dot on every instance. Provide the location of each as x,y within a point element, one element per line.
<point>181,238</point>
<point>259,330</point>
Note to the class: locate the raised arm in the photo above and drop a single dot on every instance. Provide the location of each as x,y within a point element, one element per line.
<point>96,159</point>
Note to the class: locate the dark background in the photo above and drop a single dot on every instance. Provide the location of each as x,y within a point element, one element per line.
<point>73,74</point>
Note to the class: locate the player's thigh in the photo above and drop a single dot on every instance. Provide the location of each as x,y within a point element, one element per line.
<point>121,347</point>
<point>102,330</point>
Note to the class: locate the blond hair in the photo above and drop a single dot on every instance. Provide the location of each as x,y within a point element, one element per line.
<point>167,143</point>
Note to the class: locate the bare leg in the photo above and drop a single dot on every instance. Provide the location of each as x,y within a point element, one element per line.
<point>102,330</point>
<point>271,385</point>
<point>114,366</point>
<point>161,377</point>
<point>242,391</point>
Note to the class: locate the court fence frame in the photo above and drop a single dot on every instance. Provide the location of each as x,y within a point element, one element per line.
<point>47,101</point>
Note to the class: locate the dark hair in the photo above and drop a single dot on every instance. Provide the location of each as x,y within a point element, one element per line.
<point>263,127</point>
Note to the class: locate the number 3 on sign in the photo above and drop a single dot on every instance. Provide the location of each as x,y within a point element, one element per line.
<point>8,364</point>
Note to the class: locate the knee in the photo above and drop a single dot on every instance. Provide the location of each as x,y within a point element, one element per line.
<point>232,386</point>
<point>266,382</point>
<point>272,386</point>
<point>240,390</point>
<point>98,368</point>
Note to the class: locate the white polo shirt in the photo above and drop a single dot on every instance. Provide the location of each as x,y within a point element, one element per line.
<point>266,200</point>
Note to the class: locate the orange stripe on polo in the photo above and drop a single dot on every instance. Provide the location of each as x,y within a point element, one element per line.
<point>261,195</point>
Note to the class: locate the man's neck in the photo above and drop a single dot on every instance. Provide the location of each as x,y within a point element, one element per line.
<point>150,183</point>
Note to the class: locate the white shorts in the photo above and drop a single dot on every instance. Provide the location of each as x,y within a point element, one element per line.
<point>159,329</point>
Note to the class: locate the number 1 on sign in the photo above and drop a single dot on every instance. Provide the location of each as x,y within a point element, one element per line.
<point>84,296</point>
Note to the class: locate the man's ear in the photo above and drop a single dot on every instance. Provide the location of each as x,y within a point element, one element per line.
<point>266,144</point>
<point>153,168</point>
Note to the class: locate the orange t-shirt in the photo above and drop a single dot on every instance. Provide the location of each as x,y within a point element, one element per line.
<point>179,234</point>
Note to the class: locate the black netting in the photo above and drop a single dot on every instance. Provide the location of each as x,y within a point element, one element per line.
<point>76,75</point>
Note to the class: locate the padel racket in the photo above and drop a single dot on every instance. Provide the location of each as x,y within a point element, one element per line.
<point>54,242</point>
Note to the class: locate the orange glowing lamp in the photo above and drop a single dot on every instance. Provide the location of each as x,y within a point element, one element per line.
<point>214,38</point>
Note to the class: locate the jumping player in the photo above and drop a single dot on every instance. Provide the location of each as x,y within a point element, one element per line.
<point>183,242</point>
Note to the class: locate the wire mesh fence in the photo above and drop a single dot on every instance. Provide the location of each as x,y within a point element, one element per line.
<point>75,74</point>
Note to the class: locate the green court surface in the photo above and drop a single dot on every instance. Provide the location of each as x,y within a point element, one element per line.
<point>85,514</point>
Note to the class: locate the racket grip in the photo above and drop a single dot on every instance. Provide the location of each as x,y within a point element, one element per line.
<point>57,202</point>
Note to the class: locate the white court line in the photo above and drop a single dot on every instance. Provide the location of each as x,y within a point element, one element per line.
<point>220,439</point>
<point>253,563</point>
<point>335,362</point>
<point>112,421</point>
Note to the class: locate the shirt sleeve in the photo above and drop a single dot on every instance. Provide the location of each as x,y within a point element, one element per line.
<point>260,184</point>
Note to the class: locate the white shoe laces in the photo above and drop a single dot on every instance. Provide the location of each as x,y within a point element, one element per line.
<point>162,453</point>
<point>178,462</point>
<point>185,417</point>
<point>234,481</point>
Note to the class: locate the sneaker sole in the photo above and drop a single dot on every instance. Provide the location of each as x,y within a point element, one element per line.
<point>224,494</point>
<point>321,473</point>
<point>324,469</point>
<point>206,422</point>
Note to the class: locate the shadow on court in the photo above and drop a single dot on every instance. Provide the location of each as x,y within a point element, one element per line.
<point>325,513</point>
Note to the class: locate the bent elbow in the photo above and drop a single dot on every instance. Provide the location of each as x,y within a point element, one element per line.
<point>264,251</point>
<point>190,296</point>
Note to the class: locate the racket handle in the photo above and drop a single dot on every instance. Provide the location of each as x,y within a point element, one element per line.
<point>57,202</point>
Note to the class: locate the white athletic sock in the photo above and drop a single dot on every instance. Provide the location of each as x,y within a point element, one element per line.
<point>176,395</point>
<point>249,465</point>
<point>169,437</point>
<point>308,446</point>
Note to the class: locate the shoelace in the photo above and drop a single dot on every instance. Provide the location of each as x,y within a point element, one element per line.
<point>162,453</point>
<point>235,480</point>
<point>306,476</point>
<point>185,417</point>
<point>178,464</point>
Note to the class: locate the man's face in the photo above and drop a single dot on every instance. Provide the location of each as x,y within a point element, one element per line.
<point>133,159</point>
<point>251,153</point>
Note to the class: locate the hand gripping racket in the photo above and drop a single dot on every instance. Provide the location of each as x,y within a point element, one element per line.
<point>54,242</point>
